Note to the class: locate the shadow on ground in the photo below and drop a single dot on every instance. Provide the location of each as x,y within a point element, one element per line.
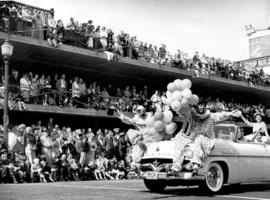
<point>227,190</point>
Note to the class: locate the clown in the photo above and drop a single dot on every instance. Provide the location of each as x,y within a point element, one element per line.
<point>142,135</point>
<point>197,135</point>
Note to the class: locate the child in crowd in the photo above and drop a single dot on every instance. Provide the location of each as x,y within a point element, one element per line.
<point>36,169</point>
<point>73,168</point>
<point>45,172</point>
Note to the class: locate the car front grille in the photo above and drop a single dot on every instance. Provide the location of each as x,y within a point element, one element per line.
<point>157,164</point>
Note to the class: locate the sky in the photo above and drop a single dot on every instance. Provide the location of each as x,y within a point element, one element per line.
<point>213,27</point>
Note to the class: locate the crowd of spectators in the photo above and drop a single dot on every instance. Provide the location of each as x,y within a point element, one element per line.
<point>218,105</point>
<point>48,153</point>
<point>71,92</point>
<point>41,89</point>
<point>41,24</point>
<point>248,110</point>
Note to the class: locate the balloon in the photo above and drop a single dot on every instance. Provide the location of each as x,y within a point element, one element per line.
<point>194,99</point>
<point>168,94</point>
<point>170,128</point>
<point>169,101</point>
<point>177,95</point>
<point>149,121</point>
<point>171,87</point>
<point>179,84</point>
<point>176,105</point>
<point>158,116</point>
<point>152,131</point>
<point>187,93</point>
<point>159,125</point>
<point>184,102</point>
<point>186,84</point>
<point>168,115</point>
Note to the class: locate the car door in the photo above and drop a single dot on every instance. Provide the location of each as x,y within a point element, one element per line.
<point>253,161</point>
<point>267,174</point>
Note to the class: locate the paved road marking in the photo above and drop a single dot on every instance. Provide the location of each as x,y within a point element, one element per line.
<point>96,187</point>
<point>241,197</point>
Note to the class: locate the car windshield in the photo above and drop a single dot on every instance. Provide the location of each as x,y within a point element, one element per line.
<point>224,132</point>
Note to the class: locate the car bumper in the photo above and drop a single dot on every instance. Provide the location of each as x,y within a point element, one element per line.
<point>185,176</point>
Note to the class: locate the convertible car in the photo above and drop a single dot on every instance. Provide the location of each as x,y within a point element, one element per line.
<point>232,161</point>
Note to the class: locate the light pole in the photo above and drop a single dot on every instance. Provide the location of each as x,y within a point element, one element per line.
<point>7,51</point>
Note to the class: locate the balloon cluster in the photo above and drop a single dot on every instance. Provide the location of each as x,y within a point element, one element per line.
<point>160,122</point>
<point>179,95</point>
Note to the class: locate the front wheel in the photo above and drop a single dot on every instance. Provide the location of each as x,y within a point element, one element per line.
<point>214,178</point>
<point>155,185</point>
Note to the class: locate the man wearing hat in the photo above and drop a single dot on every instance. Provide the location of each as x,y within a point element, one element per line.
<point>259,129</point>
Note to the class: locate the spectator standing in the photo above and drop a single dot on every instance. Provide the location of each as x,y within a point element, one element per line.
<point>46,142</point>
<point>99,143</point>
<point>61,86</point>
<point>14,84</point>
<point>30,145</point>
<point>25,87</point>
<point>90,34</point>
<point>79,146</point>
<point>108,145</point>
<point>84,158</point>
<point>75,91</point>
<point>97,38</point>
<point>34,90</point>
<point>110,40</point>
<point>93,148</point>
<point>122,146</point>
<point>103,38</point>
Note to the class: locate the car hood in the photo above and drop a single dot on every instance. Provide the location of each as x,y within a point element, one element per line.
<point>163,149</point>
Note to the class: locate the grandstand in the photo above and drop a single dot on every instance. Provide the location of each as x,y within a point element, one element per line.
<point>65,83</point>
<point>36,56</point>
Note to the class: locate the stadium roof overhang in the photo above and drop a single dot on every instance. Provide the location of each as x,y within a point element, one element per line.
<point>37,53</point>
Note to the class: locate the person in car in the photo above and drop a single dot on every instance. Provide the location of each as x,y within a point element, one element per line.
<point>141,135</point>
<point>259,129</point>
<point>198,134</point>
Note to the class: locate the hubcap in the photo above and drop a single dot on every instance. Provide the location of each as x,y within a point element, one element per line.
<point>213,177</point>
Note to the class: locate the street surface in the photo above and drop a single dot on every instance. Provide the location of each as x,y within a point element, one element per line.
<point>123,190</point>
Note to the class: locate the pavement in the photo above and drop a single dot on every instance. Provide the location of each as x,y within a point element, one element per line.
<point>124,190</point>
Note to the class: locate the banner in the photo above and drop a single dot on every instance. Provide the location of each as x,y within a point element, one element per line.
<point>259,46</point>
